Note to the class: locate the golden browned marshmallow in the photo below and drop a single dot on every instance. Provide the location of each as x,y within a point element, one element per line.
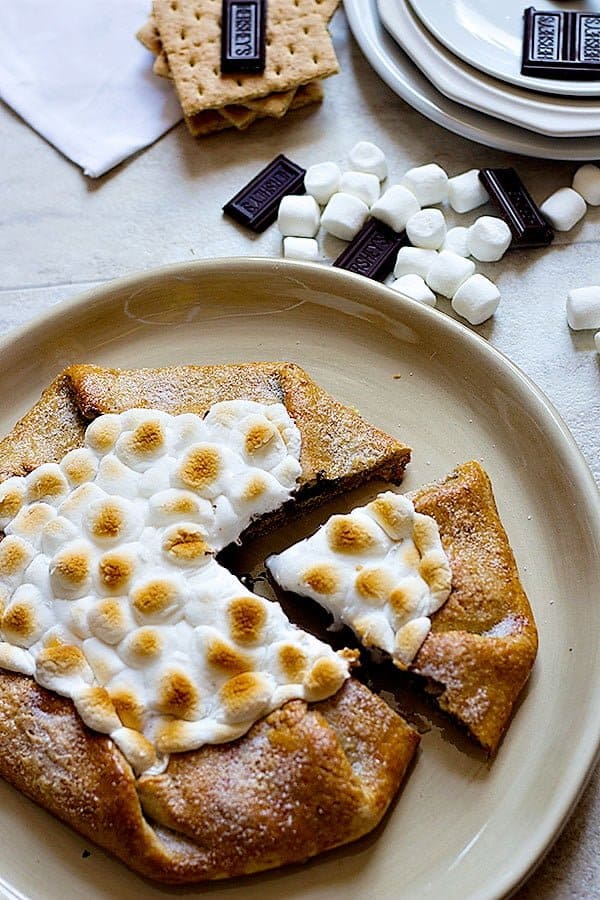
<point>246,618</point>
<point>21,624</point>
<point>15,555</point>
<point>96,709</point>
<point>346,535</point>
<point>79,466</point>
<point>323,579</point>
<point>110,620</point>
<point>245,696</point>
<point>142,647</point>
<point>157,599</point>
<point>293,662</point>
<point>226,659</point>
<point>186,544</point>
<point>374,584</point>
<point>13,494</point>
<point>200,466</point>
<point>70,570</point>
<point>177,695</point>
<point>258,436</point>
<point>325,677</point>
<point>115,570</point>
<point>47,482</point>
<point>102,434</point>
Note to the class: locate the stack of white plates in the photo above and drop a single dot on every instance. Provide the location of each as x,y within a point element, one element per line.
<point>459,63</point>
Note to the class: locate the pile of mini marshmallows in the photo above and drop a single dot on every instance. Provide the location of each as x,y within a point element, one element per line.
<point>438,262</point>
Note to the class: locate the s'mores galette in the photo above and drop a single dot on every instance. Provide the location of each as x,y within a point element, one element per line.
<point>147,697</point>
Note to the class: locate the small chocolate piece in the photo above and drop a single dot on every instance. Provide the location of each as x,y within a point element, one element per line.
<point>256,205</point>
<point>243,27</point>
<point>515,205</point>
<point>560,44</point>
<point>373,251</point>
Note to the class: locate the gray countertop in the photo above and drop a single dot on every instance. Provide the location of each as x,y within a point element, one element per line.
<point>62,233</point>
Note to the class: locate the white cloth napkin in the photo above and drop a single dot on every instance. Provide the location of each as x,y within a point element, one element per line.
<point>74,70</point>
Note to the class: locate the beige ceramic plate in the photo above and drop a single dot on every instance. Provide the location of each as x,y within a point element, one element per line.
<point>462,827</point>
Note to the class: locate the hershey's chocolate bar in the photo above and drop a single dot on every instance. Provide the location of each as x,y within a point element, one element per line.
<point>515,205</point>
<point>561,44</point>
<point>373,251</point>
<point>257,203</point>
<point>243,28</point>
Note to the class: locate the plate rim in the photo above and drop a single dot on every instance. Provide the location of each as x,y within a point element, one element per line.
<point>484,92</point>
<point>378,297</point>
<point>361,16</point>
<point>530,83</point>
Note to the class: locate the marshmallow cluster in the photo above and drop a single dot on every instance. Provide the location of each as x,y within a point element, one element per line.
<point>381,570</point>
<point>439,260</point>
<point>110,593</point>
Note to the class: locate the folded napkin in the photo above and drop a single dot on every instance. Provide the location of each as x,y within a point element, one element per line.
<point>75,72</point>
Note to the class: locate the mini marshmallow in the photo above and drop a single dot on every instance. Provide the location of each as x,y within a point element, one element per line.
<point>457,240</point>
<point>414,261</point>
<point>367,157</point>
<point>597,341</point>
<point>427,229</point>
<point>583,307</point>
<point>448,273</point>
<point>344,216</point>
<point>489,238</point>
<point>413,287</point>
<point>395,207</point>
<point>300,248</point>
<point>563,209</point>
<point>586,182</point>
<point>466,192</point>
<point>298,216</point>
<point>322,181</point>
<point>476,299</point>
<point>362,185</point>
<point>428,183</point>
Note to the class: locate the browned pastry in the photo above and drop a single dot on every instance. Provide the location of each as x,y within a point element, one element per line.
<point>305,778</point>
<point>483,641</point>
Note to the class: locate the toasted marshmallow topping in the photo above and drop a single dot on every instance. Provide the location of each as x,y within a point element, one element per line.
<point>381,570</point>
<point>110,593</point>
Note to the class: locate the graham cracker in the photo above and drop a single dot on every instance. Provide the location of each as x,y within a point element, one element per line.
<point>275,105</point>
<point>161,65</point>
<point>211,121</point>
<point>299,49</point>
<point>238,115</point>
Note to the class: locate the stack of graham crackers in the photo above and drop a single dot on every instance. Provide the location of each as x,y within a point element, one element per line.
<point>185,36</point>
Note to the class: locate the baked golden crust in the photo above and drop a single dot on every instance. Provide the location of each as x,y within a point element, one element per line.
<point>483,641</point>
<point>302,780</point>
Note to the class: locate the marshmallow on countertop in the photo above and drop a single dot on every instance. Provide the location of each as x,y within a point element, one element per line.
<point>344,216</point>
<point>427,229</point>
<point>586,182</point>
<point>457,240</point>
<point>563,209</point>
<point>363,185</point>
<point>322,181</point>
<point>414,261</point>
<point>413,287</point>
<point>583,308</point>
<point>489,238</point>
<point>367,157</point>
<point>428,183</point>
<point>466,192</point>
<point>476,299</point>
<point>395,207</point>
<point>597,341</point>
<point>298,216</point>
<point>448,273</point>
<point>300,248</point>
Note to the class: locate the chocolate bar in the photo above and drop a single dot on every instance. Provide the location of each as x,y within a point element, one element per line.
<point>560,44</point>
<point>256,204</point>
<point>515,205</point>
<point>243,27</point>
<point>373,251</point>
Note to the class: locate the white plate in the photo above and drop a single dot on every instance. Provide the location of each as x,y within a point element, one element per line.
<point>405,79</point>
<point>488,34</point>
<point>554,116</point>
<point>462,827</point>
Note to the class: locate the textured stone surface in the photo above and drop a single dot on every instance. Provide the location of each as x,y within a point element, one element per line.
<point>62,233</point>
